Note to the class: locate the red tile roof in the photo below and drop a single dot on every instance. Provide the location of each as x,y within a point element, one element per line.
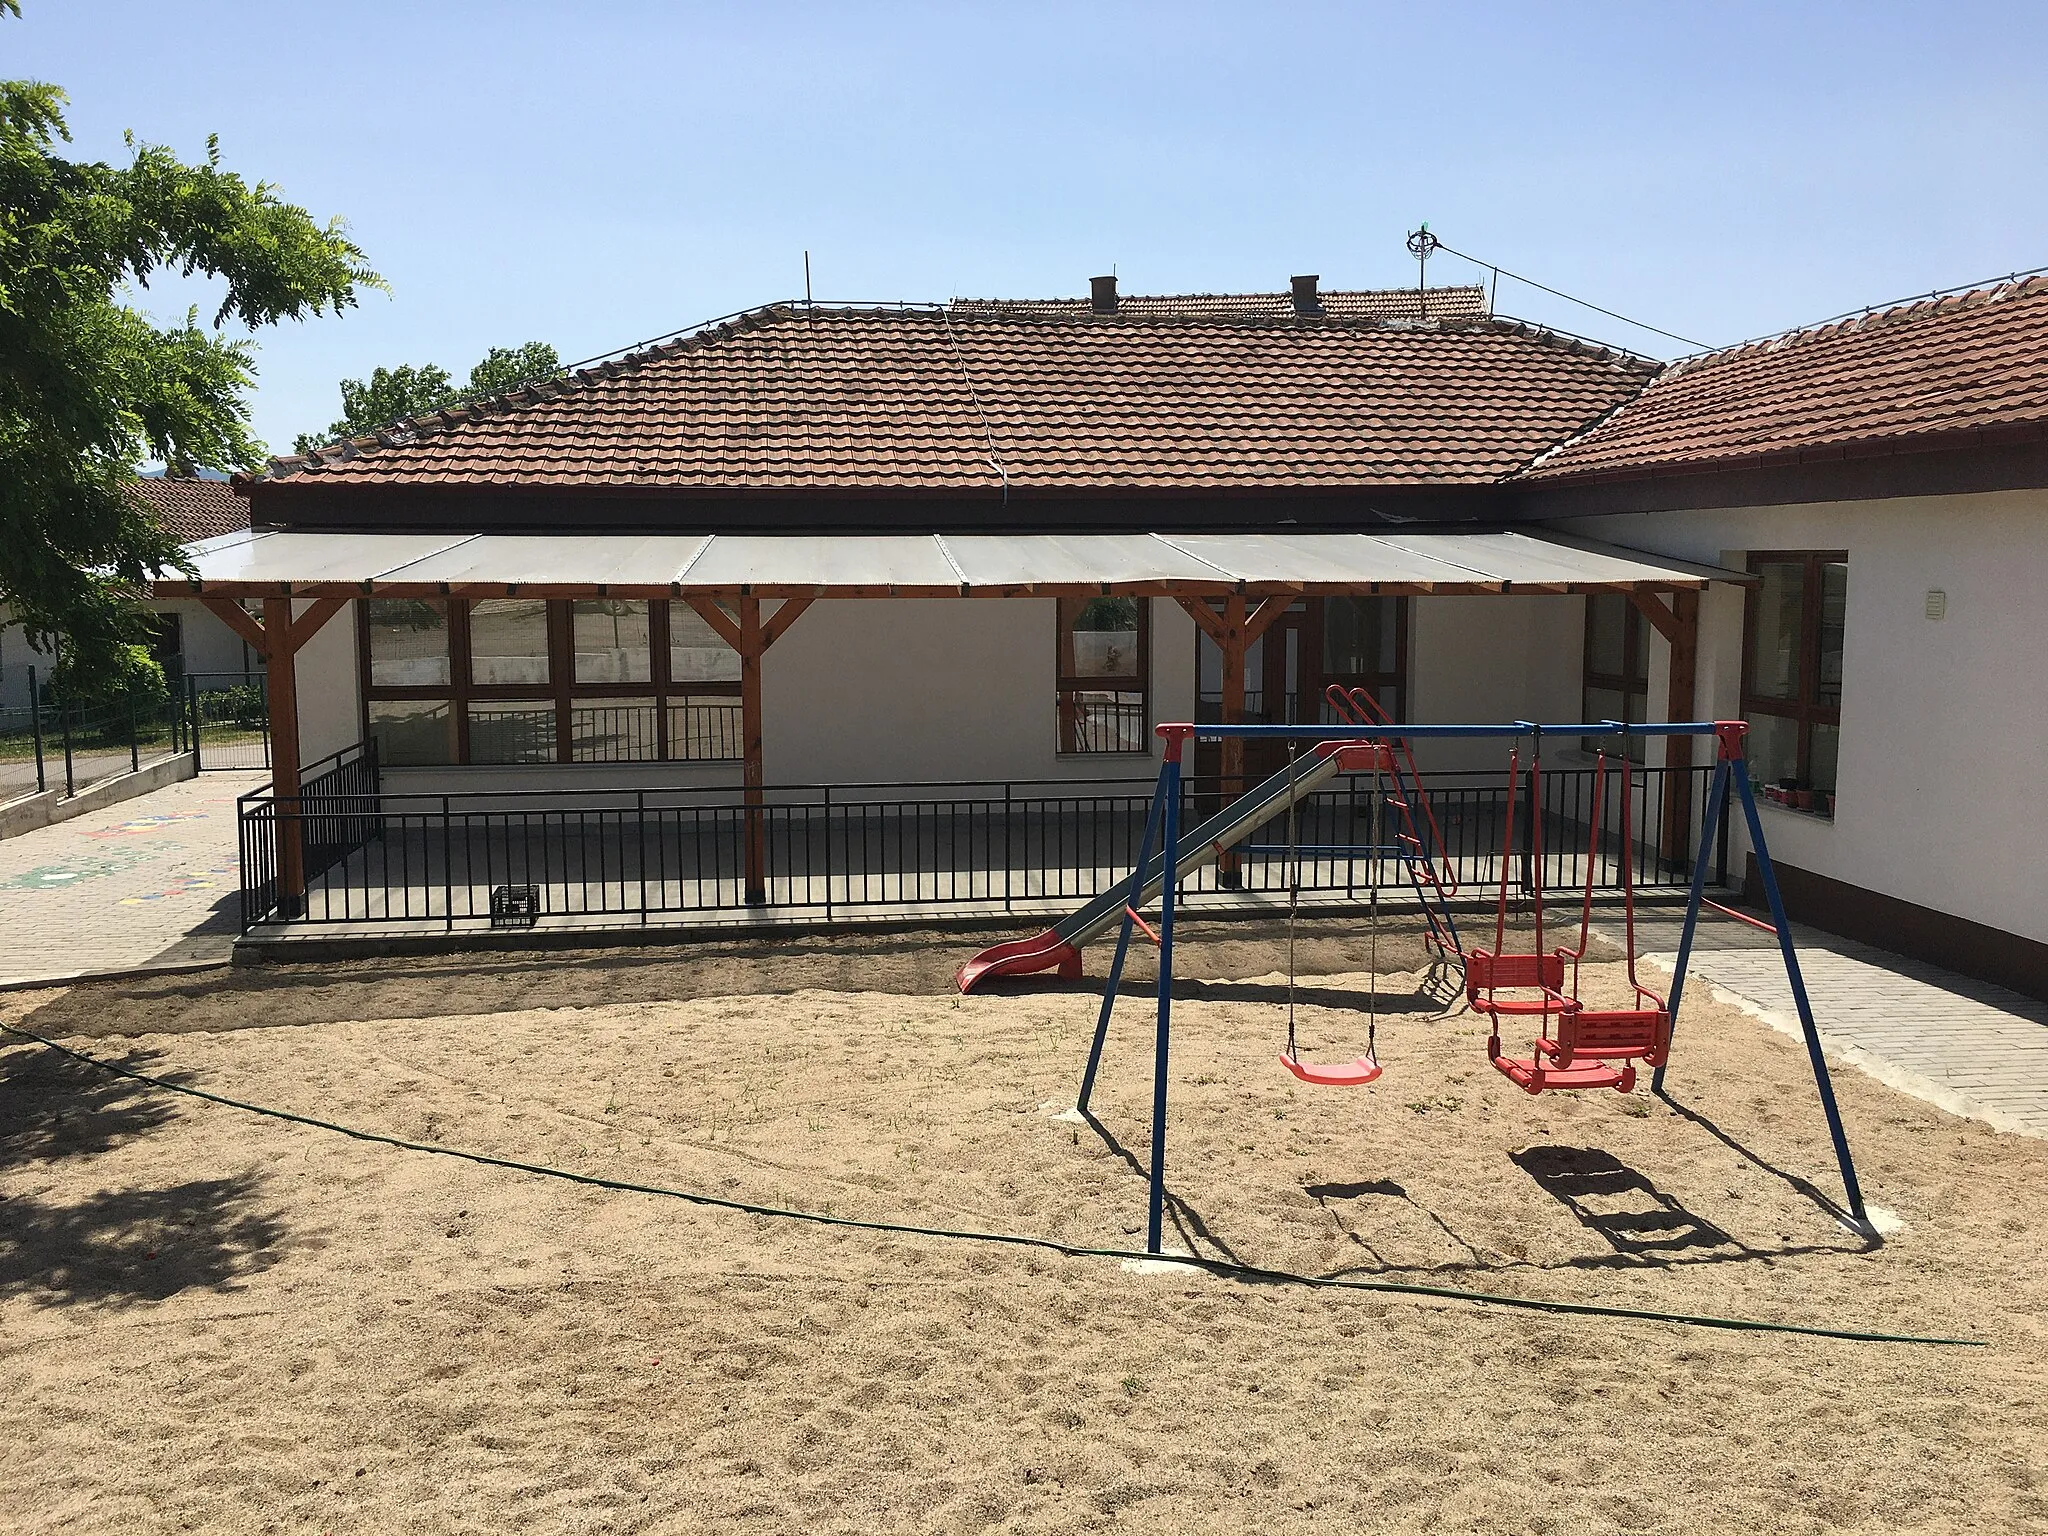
<point>925,399</point>
<point>194,508</point>
<point>1465,303</point>
<point>1918,375</point>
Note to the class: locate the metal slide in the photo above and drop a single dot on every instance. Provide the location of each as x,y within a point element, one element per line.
<point>1059,947</point>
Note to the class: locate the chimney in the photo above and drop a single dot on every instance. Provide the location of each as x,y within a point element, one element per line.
<point>1305,300</point>
<point>1102,295</point>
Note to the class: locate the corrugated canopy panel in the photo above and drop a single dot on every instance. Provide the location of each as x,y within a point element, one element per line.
<point>915,565</point>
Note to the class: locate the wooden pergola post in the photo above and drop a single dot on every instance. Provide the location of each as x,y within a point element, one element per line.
<point>1679,624</point>
<point>278,639</point>
<point>748,635</point>
<point>1234,633</point>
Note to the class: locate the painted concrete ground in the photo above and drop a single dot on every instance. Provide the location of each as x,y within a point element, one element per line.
<point>153,880</point>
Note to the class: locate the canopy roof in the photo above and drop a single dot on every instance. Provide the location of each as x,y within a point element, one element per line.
<point>267,563</point>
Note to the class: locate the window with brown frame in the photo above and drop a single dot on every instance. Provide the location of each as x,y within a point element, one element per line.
<point>1365,645</point>
<point>1792,674</point>
<point>1104,674</point>
<point>527,680</point>
<point>1615,681</point>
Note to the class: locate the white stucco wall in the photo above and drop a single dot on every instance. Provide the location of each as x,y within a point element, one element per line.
<point>1479,659</point>
<point>207,643</point>
<point>871,690</point>
<point>330,714</point>
<point>1943,722</point>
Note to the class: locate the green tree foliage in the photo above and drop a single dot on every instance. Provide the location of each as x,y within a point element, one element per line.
<point>503,367</point>
<point>392,394</point>
<point>91,388</point>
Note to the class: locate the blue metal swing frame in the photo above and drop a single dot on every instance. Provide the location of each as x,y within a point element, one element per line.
<point>1162,822</point>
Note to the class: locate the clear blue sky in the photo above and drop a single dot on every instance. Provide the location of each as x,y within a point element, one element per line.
<point>597,173</point>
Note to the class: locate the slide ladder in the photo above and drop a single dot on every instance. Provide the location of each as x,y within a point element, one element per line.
<point>1428,862</point>
<point>1059,947</point>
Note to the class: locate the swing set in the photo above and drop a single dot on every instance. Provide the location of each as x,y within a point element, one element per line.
<point>1576,1047</point>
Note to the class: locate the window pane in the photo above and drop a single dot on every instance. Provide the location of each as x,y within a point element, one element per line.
<point>1827,749</point>
<point>1607,633</point>
<point>1106,638</point>
<point>1834,606</point>
<point>1093,720</point>
<point>1358,636</point>
<point>612,644</point>
<point>408,644</point>
<point>695,652</point>
<point>1773,749</point>
<point>704,729</point>
<point>1780,628</point>
<point>412,732</point>
<point>511,731</point>
<point>508,643</point>
<point>613,731</point>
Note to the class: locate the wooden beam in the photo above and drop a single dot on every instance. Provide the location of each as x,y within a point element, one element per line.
<point>310,623</point>
<point>1263,616</point>
<point>239,619</point>
<point>1207,619</point>
<point>281,678</point>
<point>791,610</point>
<point>752,642</point>
<point>1680,704</point>
<point>1648,605</point>
<point>722,623</point>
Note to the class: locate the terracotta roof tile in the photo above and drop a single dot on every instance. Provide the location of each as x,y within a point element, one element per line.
<point>1462,303</point>
<point>192,508</point>
<point>795,398</point>
<point>1966,363</point>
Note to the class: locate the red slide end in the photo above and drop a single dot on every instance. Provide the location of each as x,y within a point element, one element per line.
<point>1021,957</point>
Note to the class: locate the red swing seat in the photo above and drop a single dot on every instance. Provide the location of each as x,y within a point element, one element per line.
<point>1334,1074</point>
<point>1487,973</point>
<point>1587,1047</point>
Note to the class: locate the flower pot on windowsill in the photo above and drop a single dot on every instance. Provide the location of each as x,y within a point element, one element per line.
<point>1801,799</point>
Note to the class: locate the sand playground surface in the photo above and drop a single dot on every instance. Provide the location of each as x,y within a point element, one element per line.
<point>212,1321</point>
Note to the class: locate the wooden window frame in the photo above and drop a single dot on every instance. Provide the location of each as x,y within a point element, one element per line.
<point>1378,682</point>
<point>561,691</point>
<point>1067,741</point>
<point>1632,682</point>
<point>1806,710</point>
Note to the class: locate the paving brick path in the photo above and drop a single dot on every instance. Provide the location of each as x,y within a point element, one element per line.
<point>151,881</point>
<point>1973,1048</point>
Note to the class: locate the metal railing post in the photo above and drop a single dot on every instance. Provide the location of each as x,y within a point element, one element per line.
<point>447,867</point>
<point>64,721</point>
<point>35,730</point>
<point>134,744</point>
<point>192,721</point>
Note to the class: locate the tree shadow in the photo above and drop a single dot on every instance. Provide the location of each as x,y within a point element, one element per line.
<point>54,1106</point>
<point>135,1245</point>
<point>113,1245</point>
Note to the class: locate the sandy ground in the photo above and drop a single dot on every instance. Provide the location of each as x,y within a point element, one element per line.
<point>214,1322</point>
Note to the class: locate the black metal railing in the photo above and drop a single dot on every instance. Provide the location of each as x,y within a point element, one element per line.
<point>631,855</point>
<point>333,815</point>
<point>72,744</point>
<point>230,717</point>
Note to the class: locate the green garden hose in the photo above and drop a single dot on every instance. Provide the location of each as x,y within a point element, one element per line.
<point>1222,1268</point>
